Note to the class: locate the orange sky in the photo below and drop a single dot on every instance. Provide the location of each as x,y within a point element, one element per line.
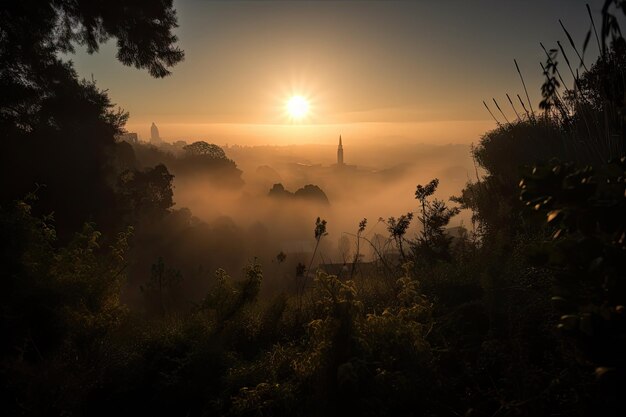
<point>443,132</point>
<point>402,71</point>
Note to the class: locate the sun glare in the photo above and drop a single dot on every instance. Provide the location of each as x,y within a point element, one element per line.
<point>297,107</point>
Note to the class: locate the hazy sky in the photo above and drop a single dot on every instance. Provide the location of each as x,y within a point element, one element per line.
<point>373,70</point>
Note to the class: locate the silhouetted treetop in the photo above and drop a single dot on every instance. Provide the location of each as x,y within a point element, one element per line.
<point>142,29</point>
<point>313,193</point>
<point>309,192</point>
<point>279,191</point>
<point>148,191</point>
<point>33,33</point>
<point>202,148</point>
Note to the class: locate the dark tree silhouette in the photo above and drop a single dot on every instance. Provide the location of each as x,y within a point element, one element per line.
<point>397,229</point>
<point>208,150</point>
<point>279,191</point>
<point>148,192</point>
<point>142,29</point>
<point>56,130</point>
<point>433,243</point>
<point>310,193</point>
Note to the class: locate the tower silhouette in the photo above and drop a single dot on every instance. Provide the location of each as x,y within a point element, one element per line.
<point>340,152</point>
<point>154,134</point>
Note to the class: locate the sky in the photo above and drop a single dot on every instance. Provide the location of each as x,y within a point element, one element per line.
<point>413,71</point>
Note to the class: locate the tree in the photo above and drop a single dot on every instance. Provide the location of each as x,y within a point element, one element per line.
<point>433,243</point>
<point>203,149</point>
<point>57,130</point>
<point>35,32</point>
<point>279,191</point>
<point>422,193</point>
<point>55,296</point>
<point>147,192</point>
<point>398,228</point>
<point>164,281</point>
<point>312,193</point>
<point>142,29</point>
<point>584,210</point>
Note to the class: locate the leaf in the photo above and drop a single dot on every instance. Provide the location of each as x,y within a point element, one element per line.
<point>602,372</point>
<point>569,321</point>
<point>553,215</point>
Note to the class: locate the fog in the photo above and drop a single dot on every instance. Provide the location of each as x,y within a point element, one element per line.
<point>227,224</point>
<point>365,129</point>
<point>379,181</point>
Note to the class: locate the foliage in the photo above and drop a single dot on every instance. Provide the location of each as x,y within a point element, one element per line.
<point>309,193</point>
<point>226,298</point>
<point>397,229</point>
<point>471,332</point>
<point>56,300</point>
<point>143,31</point>
<point>198,161</point>
<point>433,244</point>
<point>320,229</point>
<point>62,128</point>
<point>148,192</point>
<point>585,209</point>
<point>206,150</point>
<point>163,287</point>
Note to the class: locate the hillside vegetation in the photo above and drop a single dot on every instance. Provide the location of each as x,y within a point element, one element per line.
<point>521,314</point>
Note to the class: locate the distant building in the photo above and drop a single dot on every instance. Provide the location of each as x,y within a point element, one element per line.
<point>129,137</point>
<point>155,138</point>
<point>340,152</point>
<point>341,165</point>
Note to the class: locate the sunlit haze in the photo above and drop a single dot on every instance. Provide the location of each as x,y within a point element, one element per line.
<point>313,208</point>
<point>399,70</point>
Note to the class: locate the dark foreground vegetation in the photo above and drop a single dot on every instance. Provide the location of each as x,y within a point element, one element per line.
<point>522,315</point>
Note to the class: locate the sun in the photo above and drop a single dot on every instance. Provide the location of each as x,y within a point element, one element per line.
<point>297,107</point>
